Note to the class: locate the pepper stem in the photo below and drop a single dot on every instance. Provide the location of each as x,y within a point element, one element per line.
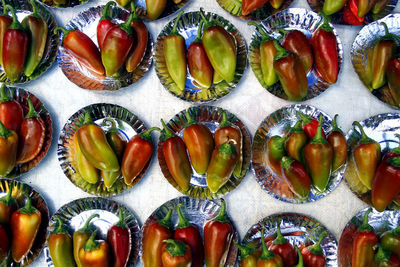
<point>300,257</point>
<point>199,32</point>
<point>222,217</point>
<point>304,118</point>
<point>286,162</point>
<point>281,52</point>
<point>364,138</point>
<point>3,96</point>
<point>396,230</point>
<point>126,26</point>
<point>316,248</point>
<point>15,25</point>
<point>88,118</point>
<point>59,229</point>
<point>325,24</point>
<point>86,226</point>
<point>175,27</point>
<point>319,138</point>
<point>4,132</point>
<point>175,248</point>
<point>264,35</point>
<point>133,9</point>
<point>225,122</point>
<point>28,209</point>
<point>265,254</point>
<point>382,255</point>
<point>183,222</point>
<point>204,19</point>
<point>389,35</point>
<point>35,12</point>
<point>32,112</point>
<point>168,133</point>
<point>189,118</point>
<point>365,227</point>
<point>105,14</point>
<point>394,161</point>
<point>5,14</point>
<point>297,127</point>
<point>244,250</point>
<point>121,223</point>
<point>91,244</point>
<point>8,199</point>
<point>166,222</point>
<point>64,31</point>
<point>147,134</point>
<point>279,239</point>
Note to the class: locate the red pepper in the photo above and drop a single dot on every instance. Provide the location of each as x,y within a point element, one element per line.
<point>393,79</point>
<point>313,255</point>
<point>249,6</point>
<point>309,125</point>
<point>105,24</point>
<point>4,244</point>
<point>295,142</point>
<point>349,17</point>
<point>296,177</point>
<point>5,22</point>
<point>7,206</point>
<point>11,112</point>
<point>119,238</point>
<point>339,144</point>
<point>297,42</point>
<point>283,248</point>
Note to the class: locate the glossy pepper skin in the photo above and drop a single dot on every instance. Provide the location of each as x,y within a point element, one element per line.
<point>296,177</point>
<point>15,48</point>
<point>366,156</point>
<point>313,255</point>
<point>82,48</point>
<point>105,24</point>
<point>385,258</point>
<point>218,235</point>
<point>8,150</point>
<point>31,135</point>
<point>190,235</point>
<point>153,240</point>
<point>283,248</point>
<point>393,79</point>
<point>94,146</point>
<point>295,142</point>
<point>318,156</point>
<point>95,253</point>
<point>174,151</point>
<point>116,140</point>
<point>333,6</point>
<point>249,6</point>
<point>175,55</point>
<point>5,22</point>
<point>324,45</point>
<point>199,142</point>
<point>123,3</point>
<point>7,206</point>
<point>247,256</point>
<point>275,152</point>
<point>119,238</point>
<point>176,254</point>
<point>390,240</point>
<point>350,13</point>
<point>267,55</point>
<point>364,241</point>
<point>220,49</point>
<point>339,144</point>
<point>268,258</point>
<point>11,112</point>
<point>86,169</point>
<point>60,246</point>
<point>297,42</point>
<point>4,244</point>
<point>309,125</point>
<point>155,8</point>
<point>24,224</point>
<point>364,6</point>
<point>37,29</point>
<point>276,3</point>
<point>80,237</point>
<point>379,6</point>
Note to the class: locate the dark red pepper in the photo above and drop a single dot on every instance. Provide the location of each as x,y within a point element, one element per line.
<point>105,24</point>
<point>297,42</point>
<point>313,255</point>
<point>4,244</point>
<point>11,112</point>
<point>349,17</point>
<point>7,206</point>
<point>283,248</point>
<point>296,177</point>
<point>309,125</point>
<point>5,22</point>
<point>119,238</point>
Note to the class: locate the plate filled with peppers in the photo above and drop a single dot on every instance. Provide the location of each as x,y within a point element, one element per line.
<point>299,154</point>
<point>24,218</point>
<point>105,149</point>
<point>289,239</point>
<point>200,230</point>
<point>93,232</point>
<point>215,62</point>
<point>105,48</point>
<point>25,131</point>
<point>28,45</point>
<point>204,152</point>
<point>305,63</point>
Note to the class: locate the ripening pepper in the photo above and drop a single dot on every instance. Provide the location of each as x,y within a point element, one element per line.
<point>190,235</point>
<point>248,258</point>
<point>80,237</point>
<point>249,6</point>
<point>379,6</point>
<point>309,125</point>
<point>217,78</point>
<point>11,112</point>
<point>350,14</point>
<point>116,140</point>
<point>37,29</point>
<point>176,254</point>
<point>390,240</point>
<point>175,55</point>
<point>393,79</point>
<point>153,237</point>
<point>15,48</point>
<point>296,177</point>
<point>94,146</point>
<point>385,258</point>
<point>199,142</point>
<point>119,238</point>
<point>24,224</point>
<point>60,246</point>
<point>110,177</point>
<point>95,253</point>
<point>297,42</point>
<point>291,73</point>
<point>5,22</point>
<point>155,8</point>
<point>363,244</point>
<point>267,55</point>
<point>366,156</point>
<point>268,258</point>
<point>364,6</point>
<point>295,142</point>
<point>283,248</point>
<point>318,156</point>
<point>220,48</point>
<point>333,6</point>
<point>218,235</point>
<point>8,150</point>
<point>105,24</point>
<point>339,144</point>
<point>86,169</point>
<point>7,206</point>
<point>4,244</point>
<point>275,150</point>
<point>31,135</point>
<point>324,45</point>
<point>176,158</point>
<point>276,4</point>
<point>313,255</point>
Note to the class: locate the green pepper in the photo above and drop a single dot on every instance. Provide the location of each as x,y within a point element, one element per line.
<point>296,141</point>
<point>379,6</point>
<point>60,246</point>
<point>110,177</point>
<point>332,6</point>
<point>247,256</point>
<point>86,169</point>
<point>390,240</point>
<point>275,152</point>
<point>155,8</point>
<point>80,237</point>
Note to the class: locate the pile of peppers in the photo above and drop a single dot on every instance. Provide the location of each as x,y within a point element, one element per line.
<point>306,156</point>
<point>249,6</point>
<point>218,157</point>
<point>109,156</point>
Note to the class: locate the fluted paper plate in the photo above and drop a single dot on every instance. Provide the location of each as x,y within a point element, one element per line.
<point>197,212</point>
<point>300,19</point>
<point>187,27</point>
<point>278,123</point>
<point>128,125</point>
<point>86,22</point>
<point>297,229</point>
<point>18,191</point>
<point>209,116</point>
<point>23,8</point>
<point>74,215</point>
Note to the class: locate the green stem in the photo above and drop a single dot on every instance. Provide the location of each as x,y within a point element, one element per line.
<point>300,257</point>
<point>168,133</point>
<point>319,138</point>
<point>304,118</point>
<point>365,227</point>
<point>15,25</point>
<point>88,118</point>
<point>175,248</point>
<point>4,132</point>
<point>86,227</point>
<point>147,134</point>
<point>166,222</point>
<point>334,124</point>
<point>64,31</point>
<point>382,255</point>
<point>121,223</point>
<point>175,27</point>
<point>28,208</point>
<point>394,161</point>
<point>189,118</point>
<point>264,35</point>
<point>281,52</point>
<point>183,222</point>
<point>222,216</point>
<point>316,248</point>
<point>364,138</point>
<point>204,19</point>
<point>133,9</point>
<point>105,14</point>
<point>396,231</point>
<point>244,251</point>
<point>297,127</point>
<point>325,25</point>
<point>126,26</point>
<point>91,244</point>
<point>388,35</point>
<point>3,96</point>
<point>279,239</point>
<point>286,162</point>
<point>5,14</point>
<point>199,32</point>
<point>265,254</point>
<point>224,122</point>
<point>32,112</point>
<point>8,199</point>
<point>35,12</point>
<point>59,227</point>
<point>113,128</point>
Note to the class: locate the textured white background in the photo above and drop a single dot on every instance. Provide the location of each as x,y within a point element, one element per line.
<point>148,99</point>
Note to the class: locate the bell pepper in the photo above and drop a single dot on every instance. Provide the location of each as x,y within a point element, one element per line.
<point>199,143</point>
<point>37,29</point>
<point>390,240</point>
<point>4,244</point>
<point>82,48</point>
<point>267,55</point>
<point>379,6</point>
<point>247,256</point>
<point>199,65</point>
<point>268,258</point>
<point>249,6</point>
<point>291,73</point>
<point>7,206</point>
<point>24,224</point>
<point>220,49</point>
<point>95,253</point>
<point>295,142</point>
<point>313,255</point>
<point>218,235</point>
<point>333,6</point>
<point>227,130</point>
<point>324,45</point>
<point>87,171</point>
<point>94,146</point>
<point>363,244</point>
<point>309,125</point>
<point>296,177</point>
<point>275,150</point>
<point>80,237</point>
<point>276,4</point>
<point>176,158</point>
<point>318,156</point>
<point>8,150</point>
<point>385,258</point>
<point>11,112</point>
<point>153,237</point>
<point>139,46</point>
<point>366,156</point>
<point>364,6</point>
<point>190,235</point>
<point>393,79</point>
<point>31,135</point>
<point>119,238</point>
<point>5,22</point>
<point>176,254</point>
<point>137,154</point>
<point>297,42</point>
<point>283,248</point>
<point>155,8</point>
<point>60,246</point>
<point>15,48</point>
<point>105,24</point>
<point>339,144</point>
